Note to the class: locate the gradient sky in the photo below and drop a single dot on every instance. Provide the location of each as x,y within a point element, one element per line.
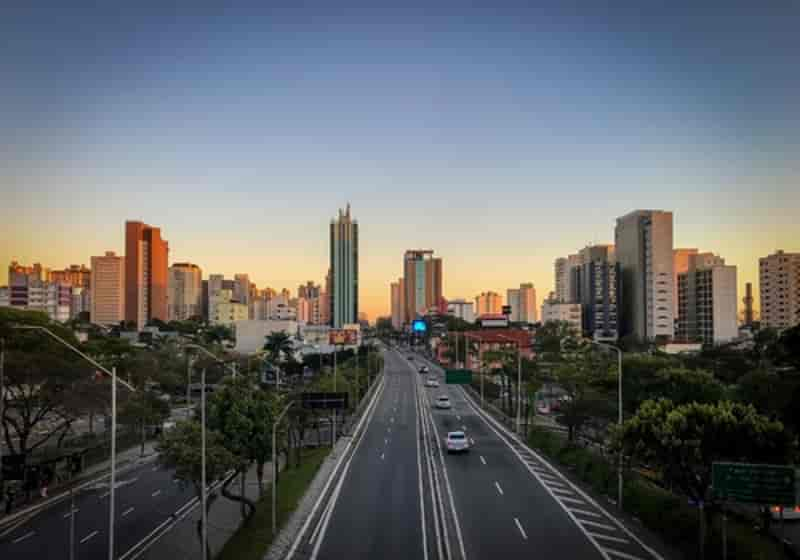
<point>498,134</point>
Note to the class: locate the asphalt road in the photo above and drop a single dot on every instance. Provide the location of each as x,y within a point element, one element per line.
<point>146,496</point>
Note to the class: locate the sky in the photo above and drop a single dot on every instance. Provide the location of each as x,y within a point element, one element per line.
<point>500,134</point>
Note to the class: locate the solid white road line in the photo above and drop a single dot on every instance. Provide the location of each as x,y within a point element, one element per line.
<point>419,479</point>
<point>127,511</point>
<point>23,537</point>
<point>156,493</point>
<point>497,485</point>
<point>89,536</point>
<point>472,441</point>
<point>609,538</point>
<point>598,525</point>
<point>483,460</point>
<point>620,554</point>
<point>69,513</point>
<point>584,512</point>
<point>521,530</point>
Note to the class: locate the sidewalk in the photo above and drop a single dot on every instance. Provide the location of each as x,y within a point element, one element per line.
<point>126,458</point>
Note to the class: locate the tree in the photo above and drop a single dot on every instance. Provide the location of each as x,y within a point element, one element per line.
<point>180,449</point>
<point>551,335</point>
<point>143,409</point>
<point>278,345</point>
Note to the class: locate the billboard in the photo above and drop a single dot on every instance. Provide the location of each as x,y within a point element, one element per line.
<point>418,326</point>
<point>327,401</point>
<point>343,337</point>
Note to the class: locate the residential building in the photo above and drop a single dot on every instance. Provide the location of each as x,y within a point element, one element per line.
<point>779,290</point>
<point>241,288</point>
<point>324,309</point>
<point>422,276</point>
<point>488,303</point>
<point>309,290</point>
<point>680,264</point>
<point>29,289</point>
<point>185,293</point>
<point>146,256</point>
<point>563,312</point>
<point>643,247</point>
<point>344,269</point>
<point>107,288</point>
<point>463,309</point>
<point>225,309</point>
<point>747,301</point>
<point>522,301</point>
<point>597,283</point>
<point>303,310</point>
<point>80,301</point>
<point>707,300</point>
<point>512,301</point>
<point>565,287</point>
<point>398,301</point>
<point>74,275</point>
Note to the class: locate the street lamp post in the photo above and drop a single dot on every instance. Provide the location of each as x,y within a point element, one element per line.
<point>113,374</point>
<point>275,466</point>
<point>203,482</point>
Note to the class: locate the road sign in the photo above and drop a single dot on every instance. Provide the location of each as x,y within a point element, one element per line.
<point>458,376</point>
<point>753,483</point>
<point>330,401</point>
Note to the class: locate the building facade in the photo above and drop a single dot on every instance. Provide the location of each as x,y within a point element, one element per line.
<point>488,303</point>
<point>107,288</point>
<point>241,288</point>
<point>343,296</point>
<point>146,256</point>
<point>185,294</point>
<point>707,300</point>
<point>747,302</point>
<point>398,303</point>
<point>522,301</point>
<point>463,309</point>
<point>563,312</point>
<point>565,288</point>
<point>74,275</point>
<point>644,252</point>
<point>224,310</point>
<point>779,290</point>
<point>422,278</point>
<point>597,288</point>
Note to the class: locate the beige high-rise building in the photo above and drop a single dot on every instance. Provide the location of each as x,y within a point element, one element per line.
<point>422,276</point>
<point>566,287</point>
<point>779,290</point>
<point>107,286</point>
<point>185,291</point>
<point>522,301</point>
<point>488,303</point>
<point>707,300</point>
<point>398,299</point>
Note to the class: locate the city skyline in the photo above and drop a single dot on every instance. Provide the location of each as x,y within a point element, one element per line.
<point>568,123</point>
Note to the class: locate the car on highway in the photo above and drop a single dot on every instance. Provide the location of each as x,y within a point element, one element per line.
<point>443,401</point>
<point>789,513</point>
<point>456,442</point>
<point>431,382</point>
<point>424,369</point>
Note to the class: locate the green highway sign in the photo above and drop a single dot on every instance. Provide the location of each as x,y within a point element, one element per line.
<point>458,376</point>
<point>753,483</point>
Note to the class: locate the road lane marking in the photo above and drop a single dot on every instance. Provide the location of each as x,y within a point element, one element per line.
<point>521,530</point>
<point>154,469</point>
<point>156,493</point>
<point>381,456</point>
<point>105,495</point>
<point>472,441</point>
<point>584,512</point>
<point>464,428</point>
<point>624,555</point>
<point>562,491</point>
<point>458,417</point>
<point>483,460</point>
<point>556,484</point>
<point>176,480</point>
<point>419,478</point>
<point>572,500</point>
<point>609,538</point>
<point>385,441</point>
<point>598,525</point>
<point>497,485</point>
<point>69,513</point>
<point>127,511</point>
<point>89,536</point>
<point>391,420</point>
<point>23,537</point>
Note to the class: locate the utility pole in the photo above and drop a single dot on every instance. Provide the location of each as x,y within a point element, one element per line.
<point>113,489</point>
<point>333,431</point>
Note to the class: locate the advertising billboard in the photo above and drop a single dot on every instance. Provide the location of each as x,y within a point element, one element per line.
<point>343,337</point>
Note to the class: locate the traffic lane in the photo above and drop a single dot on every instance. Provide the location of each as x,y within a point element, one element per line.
<point>377,514</point>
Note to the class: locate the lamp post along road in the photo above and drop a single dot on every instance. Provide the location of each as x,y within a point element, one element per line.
<point>203,490</point>
<point>113,374</point>
<point>275,466</point>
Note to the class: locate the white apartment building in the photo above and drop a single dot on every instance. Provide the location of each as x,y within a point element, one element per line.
<point>462,309</point>
<point>707,300</point>
<point>779,290</point>
<point>184,291</point>
<point>565,285</point>
<point>224,310</point>
<point>563,312</point>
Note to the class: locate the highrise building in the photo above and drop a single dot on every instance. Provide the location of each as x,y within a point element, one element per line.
<point>597,287</point>
<point>643,246</point>
<point>74,275</point>
<point>241,288</point>
<point>556,311</point>
<point>107,290</point>
<point>226,310</point>
<point>566,289</point>
<point>185,294</point>
<point>488,303</point>
<point>522,301</point>
<point>707,300</point>
<point>463,309</point>
<point>344,270</point>
<point>779,290</point>
<point>398,299</point>
<point>304,310</point>
<point>146,255</point>
<point>422,276</point>
<point>680,264</point>
<point>512,301</point>
<point>309,290</point>
<point>748,318</point>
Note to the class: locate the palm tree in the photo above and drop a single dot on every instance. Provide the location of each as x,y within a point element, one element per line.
<point>277,344</point>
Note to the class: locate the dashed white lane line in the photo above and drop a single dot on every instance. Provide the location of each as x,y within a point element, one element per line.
<point>609,538</point>
<point>385,441</point>
<point>154,469</point>
<point>556,484</point>
<point>127,511</point>
<point>620,554</point>
<point>89,536</point>
<point>497,485</point>
<point>584,512</point>
<point>23,537</point>
<point>69,513</point>
<point>464,428</point>
<point>458,417</point>
<point>391,419</point>
<point>598,525</point>
<point>156,493</point>
<point>472,441</point>
<point>382,456</point>
<point>483,460</point>
<point>521,530</point>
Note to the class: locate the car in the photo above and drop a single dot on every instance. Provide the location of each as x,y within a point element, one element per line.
<point>443,401</point>
<point>789,513</point>
<point>424,369</point>
<point>432,382</point>
<point>456,442</point>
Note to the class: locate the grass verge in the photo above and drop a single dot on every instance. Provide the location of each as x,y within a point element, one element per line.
<point>664,513</point>
<point>253,540</point>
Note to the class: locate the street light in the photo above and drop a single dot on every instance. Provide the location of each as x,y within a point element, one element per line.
<point>114,381</point>
<point>275,466</point>
<point>519,382</point>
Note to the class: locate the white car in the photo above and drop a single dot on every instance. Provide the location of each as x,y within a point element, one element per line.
<point>443,401</point>
<point>432,382</point>
<point>456,442</point>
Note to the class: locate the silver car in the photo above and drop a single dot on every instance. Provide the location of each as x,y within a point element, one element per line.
<point>443,401</point>
<point>457,442</point>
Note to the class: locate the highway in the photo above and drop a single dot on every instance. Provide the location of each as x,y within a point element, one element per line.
<point>147,495</point>
<point>398,495</point>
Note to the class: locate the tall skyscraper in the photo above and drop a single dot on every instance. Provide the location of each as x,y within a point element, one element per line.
<point>488,303</point>
<point>146,255</point>
<point>344,270</point>
<point>185,294</point>
<point>707,300</point>
<point>779,289</point>
<point>643,242</point>
<point>422,275</point>
<point>598,286</point>
<point>680,264</point>
<point>107,287</point>
<point>398,298</point>
<point>747,301</point>
<point>566,288</point>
